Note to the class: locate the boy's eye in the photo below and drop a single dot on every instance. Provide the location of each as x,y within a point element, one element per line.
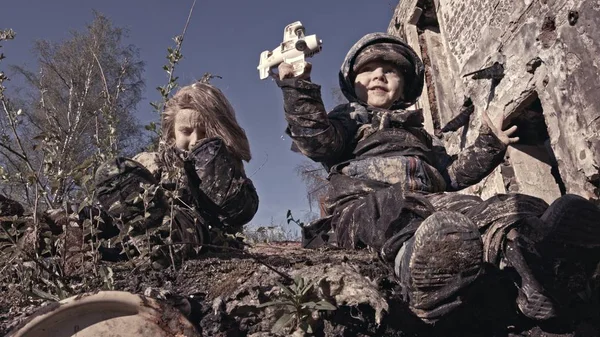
<point>391,70</point>
<point>366,68</point>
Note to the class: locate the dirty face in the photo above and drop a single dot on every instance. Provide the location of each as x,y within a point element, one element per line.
<point>379,84</point>
<point>189,129</point>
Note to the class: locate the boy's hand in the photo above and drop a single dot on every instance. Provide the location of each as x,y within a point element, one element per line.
<point>286,70</point>
<point>496,127</point>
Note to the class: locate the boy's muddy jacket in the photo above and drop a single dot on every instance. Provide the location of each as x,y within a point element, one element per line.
<point>381,162</point>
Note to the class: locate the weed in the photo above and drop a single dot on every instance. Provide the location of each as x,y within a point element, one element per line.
<point>298,307</point>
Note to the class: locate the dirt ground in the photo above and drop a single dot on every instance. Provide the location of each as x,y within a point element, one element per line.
<point>224,289</point>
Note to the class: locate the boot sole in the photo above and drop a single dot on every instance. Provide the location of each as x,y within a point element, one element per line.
<point>446,258</point>
<point>573,220</point>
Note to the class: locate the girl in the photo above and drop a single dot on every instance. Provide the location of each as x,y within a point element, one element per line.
<point>199,162</point>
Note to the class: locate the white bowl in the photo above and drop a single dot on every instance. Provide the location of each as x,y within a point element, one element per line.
<point>107,314</point>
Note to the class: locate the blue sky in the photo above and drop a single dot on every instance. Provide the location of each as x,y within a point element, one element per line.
<point>225,38</point>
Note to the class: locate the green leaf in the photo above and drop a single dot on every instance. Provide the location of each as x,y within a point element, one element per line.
<point>307,288</point>
<point>44,295</point>
<point>98,218</point>
<point>281,325</point>
<point>275,303</point>
<point>299,280</point>
<point>137,219</point>
<point>285,289</point>
<point>151,126</point>
<point>114,206</point>
<point>308,305</point>
<point>87,223</point>
<point>133,198</point>
<point>324,305</point>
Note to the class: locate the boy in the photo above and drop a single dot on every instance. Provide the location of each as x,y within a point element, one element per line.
<point>388,178</point>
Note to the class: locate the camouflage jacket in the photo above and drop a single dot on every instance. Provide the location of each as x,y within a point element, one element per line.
<point>221,178</point>
<point>357,141</point>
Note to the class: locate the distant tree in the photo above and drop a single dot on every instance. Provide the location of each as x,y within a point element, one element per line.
<point>76,111</point>
<point>314,177</point>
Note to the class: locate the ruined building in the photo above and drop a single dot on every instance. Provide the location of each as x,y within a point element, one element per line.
<point>536,61</point>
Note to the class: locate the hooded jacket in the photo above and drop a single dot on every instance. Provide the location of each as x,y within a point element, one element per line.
<point>367,150</point>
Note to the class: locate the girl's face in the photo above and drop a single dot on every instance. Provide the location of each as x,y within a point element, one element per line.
<point>379,84</point>
<point>188,129</point>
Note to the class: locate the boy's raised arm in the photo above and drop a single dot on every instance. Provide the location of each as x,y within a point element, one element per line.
<point>317,136</point>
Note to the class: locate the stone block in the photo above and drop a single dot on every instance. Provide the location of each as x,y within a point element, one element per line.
<point>533,172</point>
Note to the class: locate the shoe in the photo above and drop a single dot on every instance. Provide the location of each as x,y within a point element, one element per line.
<point>553,252</point>
<point>442,259</point>
<point>572,220</point>
<point>533,300</point>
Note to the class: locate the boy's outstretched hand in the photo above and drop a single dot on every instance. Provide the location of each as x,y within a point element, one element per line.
<point>496,127</point>
<point>286,70</point>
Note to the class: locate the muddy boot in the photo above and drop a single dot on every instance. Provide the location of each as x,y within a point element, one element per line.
<point>119,182</point>
<point>569,244</point>
<point>571,220</point>
<point>503,221</point>
<point>555,256</point>
<point>532,300</point>
<point>439,263</point>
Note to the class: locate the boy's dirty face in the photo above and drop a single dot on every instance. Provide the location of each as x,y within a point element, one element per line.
<point>379,84</point>
<point>189,129</point>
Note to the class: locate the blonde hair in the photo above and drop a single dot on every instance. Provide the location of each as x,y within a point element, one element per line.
<point>216,114</point>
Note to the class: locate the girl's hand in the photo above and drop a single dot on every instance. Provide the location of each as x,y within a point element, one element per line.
<point>496,127</point>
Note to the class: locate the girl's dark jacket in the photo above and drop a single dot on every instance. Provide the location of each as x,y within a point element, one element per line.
<point>376,158</point>
<point>215,181</point>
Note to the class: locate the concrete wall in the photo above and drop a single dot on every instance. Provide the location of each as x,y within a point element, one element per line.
<point>562,87</point>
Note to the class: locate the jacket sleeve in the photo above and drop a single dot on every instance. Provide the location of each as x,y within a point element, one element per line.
<point>224,182</point>
<point>472,164</point>
<point>320,137</point>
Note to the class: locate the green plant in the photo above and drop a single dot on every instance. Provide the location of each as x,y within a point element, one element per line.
<point>298,307</point>
<point>107,277</point>
<point>173,56</point>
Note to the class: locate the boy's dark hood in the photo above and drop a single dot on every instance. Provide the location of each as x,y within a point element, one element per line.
<point>412,89</point>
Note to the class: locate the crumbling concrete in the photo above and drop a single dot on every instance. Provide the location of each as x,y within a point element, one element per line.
<point>549,53</point>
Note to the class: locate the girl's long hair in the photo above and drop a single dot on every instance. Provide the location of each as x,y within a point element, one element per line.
<point>216,113</point>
